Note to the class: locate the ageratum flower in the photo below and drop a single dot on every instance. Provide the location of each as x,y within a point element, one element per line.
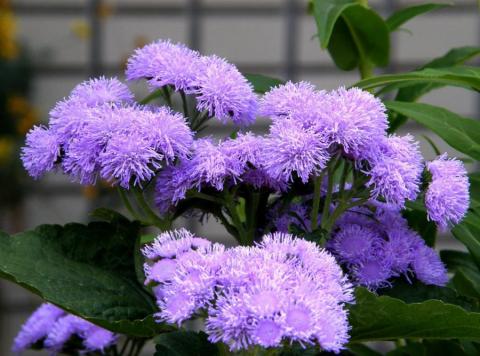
<point>396,168</point>
<point>54,328</point>
<point>41,152</point>
<point>224,92</point>
<point>282,290</point>
<point>447,198</point>
<point>290,149</point>
<point>428,267</point>
<point>165,63</point>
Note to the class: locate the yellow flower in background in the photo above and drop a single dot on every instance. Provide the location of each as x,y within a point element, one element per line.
<point>8,47</point>
<point>7,148</point>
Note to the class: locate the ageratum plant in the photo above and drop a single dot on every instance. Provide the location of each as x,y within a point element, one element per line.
<point>334,213</point>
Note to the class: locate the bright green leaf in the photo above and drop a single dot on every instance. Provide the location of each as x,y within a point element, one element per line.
<point>460,133</point>
<point>385,318</point>
<point>262,83</point>
<point>403,15</point>
<point>86,270</point>
<point>326,13</point>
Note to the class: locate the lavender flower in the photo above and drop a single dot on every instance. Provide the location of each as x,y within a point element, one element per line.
<point>41,151</point>
<point>396,167</point>
<point>55,328</point>
<point>171,186</point>
<point>283,289</point>
<point>224,92</point>
<point>165,63</point>
<point>291,149</point>
<point>428,267</point>
<point>447,198</point>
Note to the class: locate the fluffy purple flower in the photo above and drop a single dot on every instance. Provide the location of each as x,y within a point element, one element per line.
<point>37,327</point>
<point>297,101</point>
<point>396,167</point>
<point>282,290</point>
<point>41,151</point>
<point>290,149</point>
<point>174,243</point>
<point>447,198</point>
<point>354,118</point>
<point>165,63</point>
<point>428,267</point>
<point>55,328</point>
<point>171,186</point>
<point>400,248</point>
<point>224,92</point>
<point>296,214</point>
<point>373,273</point>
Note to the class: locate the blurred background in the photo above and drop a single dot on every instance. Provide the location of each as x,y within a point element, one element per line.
<point>48,46</point>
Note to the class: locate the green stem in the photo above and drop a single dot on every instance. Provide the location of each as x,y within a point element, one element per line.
<point>204,196</point>
<point>232,210</point>
<point>154,218</point>
<point>316,200</point>
<point>363,2</point>
<point>124,347</point>
<point>251,213</point>
<point>328,196</point>
<point>150,97</point>
<point>167,95</point>
<point>184,103</point>
<point>126,202</point>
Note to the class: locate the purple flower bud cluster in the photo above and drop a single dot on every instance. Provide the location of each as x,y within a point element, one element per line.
<point>375,244</point>
<point>54,328</point>
<point>447,197</point>
<point>284,289</point>
<point>220,89</point>
<point>98,132</point>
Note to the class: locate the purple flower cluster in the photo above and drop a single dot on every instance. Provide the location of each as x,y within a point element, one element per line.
<point>220,89</point>
<point>376,244</point>
<point>97,132</point>
<point>447,198</point>
<point>54,328</point>
<point>282,289</point>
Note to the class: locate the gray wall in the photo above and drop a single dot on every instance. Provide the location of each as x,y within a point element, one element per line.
<point>270,36</point>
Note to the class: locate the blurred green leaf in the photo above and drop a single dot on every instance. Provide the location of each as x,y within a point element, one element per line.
<point>459,132</point>
<point>85,269</point>
<point>461,76</point>
<point>430,348</point>
<point>458,259</point>
<point>403,15</point>
<point>262,83</point>
<point>418,221</point>
<point>468,232</point>
<point>326,14</point>
<point>467,282</point>
<point>386,318</point>
<point>184,343</point>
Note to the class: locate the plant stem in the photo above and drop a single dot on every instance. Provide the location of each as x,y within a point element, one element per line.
<point>126,202</point>
<point>251,213</point>
<point>316,200</point>
<point>184,103</point>
<point>151,96</point>
<point>232,210</point>
<point>154,218</point>
<point>167,95</point>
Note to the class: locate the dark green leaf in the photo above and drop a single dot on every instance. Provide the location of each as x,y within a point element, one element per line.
<point>184,343</point>
<point>462,76</point>
<point>467,282</point>
<point>400,17</point>
<point>107,215</point>
<point>468,232</point>
<point>430,348</point>
<point>370,34</point>
<point>326,13</point>
<point>342,47</point>
<point>418,221</point>
<point>87,270</point>
<point>386,318</point>
<point>262,83</point>
<point>362,350</point>
<point>461,133</point>
<point>474,179</point>
<point>458,259</point>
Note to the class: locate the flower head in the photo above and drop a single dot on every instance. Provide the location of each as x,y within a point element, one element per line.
<point>41,152</point>
<point>165,63</point>
<point>447,198</point>
<point>428,267</point>
<point>224,92</point>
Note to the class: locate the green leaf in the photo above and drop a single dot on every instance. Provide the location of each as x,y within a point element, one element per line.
<point>326,13</point>
<point>86,270</point>
<point>184,343</point>
<point>369,33</point>
<point>418,221</point>
<point>400,17</point>
<point>458,259</point>
<point>430,348</point>
<point>461,76</point>
<point>107,215</point>
<point>460,133</point>
<point>262,83</point>
<point>467,282</point>
<point>386,318</point>
<point>362,350</point>
<point>342,47</point>
<point>468,233</point>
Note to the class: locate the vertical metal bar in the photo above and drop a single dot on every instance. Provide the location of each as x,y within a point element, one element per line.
<point>194,17</point>
<point>291,28</point>
<point>94,66</point>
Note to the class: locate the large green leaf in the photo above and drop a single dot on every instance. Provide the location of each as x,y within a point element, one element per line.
<point>431,348</point>
<point>468,232</point>
<point>262,83</point>
<point>86,270</point>
<point>401,16</point>
<point>184,343</point>
<point>467,282</point>
<point>461,133</point>
<point>461,76</point>
<point>386,318</point>
<point>342,47</point>
<point>326,13</point>
<point>458,259</point>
